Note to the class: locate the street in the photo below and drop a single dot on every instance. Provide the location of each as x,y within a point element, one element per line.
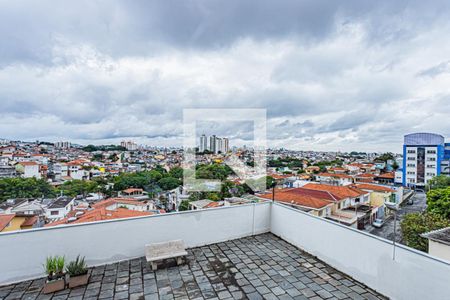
<point>387,231</point>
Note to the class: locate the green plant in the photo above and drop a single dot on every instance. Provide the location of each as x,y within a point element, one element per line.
<point>77,267</point>
<point>54,267</point>
<point>415,224</point>
<point>60,262</point>
<point>49,266</point>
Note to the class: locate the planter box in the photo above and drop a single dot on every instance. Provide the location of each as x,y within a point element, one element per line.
<point>78,280</point>
<point>54,286</point>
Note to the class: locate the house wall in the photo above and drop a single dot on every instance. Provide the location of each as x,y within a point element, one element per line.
<point>367,258</point>
<point>14,224</point>
<point>31,171</point>
<point>115,240</point>
<point>439,250</point>
<point>378,199</point>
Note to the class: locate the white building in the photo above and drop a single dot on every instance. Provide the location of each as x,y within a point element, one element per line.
<point>59,208</point>
<point>203,143</point>
<point>129,145</point>
<point>62,145</point>
<point>424,156</point>
<point>28,169</point>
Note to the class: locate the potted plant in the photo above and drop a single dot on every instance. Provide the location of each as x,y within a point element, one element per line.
<point>54,268</point>
<point>78,272</point>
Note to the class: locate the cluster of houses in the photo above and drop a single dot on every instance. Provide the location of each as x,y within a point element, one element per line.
<point>353,194</point>
<point>60,164</point>
<point>20,214</point>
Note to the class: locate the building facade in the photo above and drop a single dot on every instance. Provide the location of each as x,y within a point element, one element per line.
<point>425,155</point>
<point>203,143</point>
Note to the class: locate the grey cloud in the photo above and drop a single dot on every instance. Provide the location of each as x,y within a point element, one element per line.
<point>330,74</point>
<point>443,67</point>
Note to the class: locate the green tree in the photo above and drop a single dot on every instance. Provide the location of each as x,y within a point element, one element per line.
<point>415,224</point>
<point>184,205</point>
<point>25,188</point>
<point>386,156</point>
<point>79,187</point>
<point>143,180</point>
<point>176,172</point>
<point>395,166</point>
<point>169,183</point>
<point>270,182</point>
<point>439,182</point>
<point>438,201</point>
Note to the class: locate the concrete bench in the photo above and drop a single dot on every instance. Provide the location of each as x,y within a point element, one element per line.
<point>160,251</point>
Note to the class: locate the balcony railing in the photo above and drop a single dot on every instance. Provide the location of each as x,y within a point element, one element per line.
<point>412,275</point>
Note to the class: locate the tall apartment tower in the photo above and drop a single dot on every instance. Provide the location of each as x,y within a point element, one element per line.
<point>425,155</point>
<point>212,143</point>
<point>226,145</point>
<point>219,146</point>
<point>203,143</point>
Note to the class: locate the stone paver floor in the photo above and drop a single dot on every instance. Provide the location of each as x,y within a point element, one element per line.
<point>258,267</point>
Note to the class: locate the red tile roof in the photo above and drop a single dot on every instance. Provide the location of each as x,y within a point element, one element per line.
<point>101,214</point>
<point>374,187</point>
<point>340,192</point>
<point>335,175</point>
<point>30,221</point>
<point>5,219</point>
<point>110,201</point>
<point>132,190</point>
<point>28,163</point>
<point>301,197</point>
<point>389,175</point>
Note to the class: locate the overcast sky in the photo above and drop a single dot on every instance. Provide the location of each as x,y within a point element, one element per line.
<point>333,75</point>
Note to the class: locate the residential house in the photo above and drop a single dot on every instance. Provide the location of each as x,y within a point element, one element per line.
<point>385,178</point>
<point>334,179</point>
<point>439,243</point>
<point>314,202</point>
<point>128,203</point>
<point>99,214</point>
<point>312,169</point>
<point>379,195</point>
<point>59,208</point>
<point>352,205</point>
<point>7,171</point>
<point>28,169</point>
<point>13,222</point>
<point>135,193</point>
<point>203,204</point>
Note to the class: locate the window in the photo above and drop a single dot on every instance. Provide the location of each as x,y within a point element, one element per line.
<point>411,151</point>
<point>411,173</point>
<point>431,151</point>
<point>431,158</point>
<point>411,165</point>
<point>431,174</point>
<point>411,158</point>
<point>431,166</point>
<point>54,212</point>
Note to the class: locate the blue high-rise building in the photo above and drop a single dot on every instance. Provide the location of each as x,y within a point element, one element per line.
<point>425,155</point>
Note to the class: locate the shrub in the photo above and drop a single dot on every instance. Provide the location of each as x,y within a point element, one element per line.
<point>77,267</point>
<point>54,267</point>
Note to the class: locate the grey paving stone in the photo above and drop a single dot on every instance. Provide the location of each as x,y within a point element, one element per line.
<point>258,267</point>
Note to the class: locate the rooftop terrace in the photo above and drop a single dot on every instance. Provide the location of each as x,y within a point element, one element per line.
<point>238,251</point>
<point>259,267</point>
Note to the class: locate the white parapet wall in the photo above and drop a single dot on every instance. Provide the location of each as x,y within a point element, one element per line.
<point>23,253</point>
<point>367,258</point>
